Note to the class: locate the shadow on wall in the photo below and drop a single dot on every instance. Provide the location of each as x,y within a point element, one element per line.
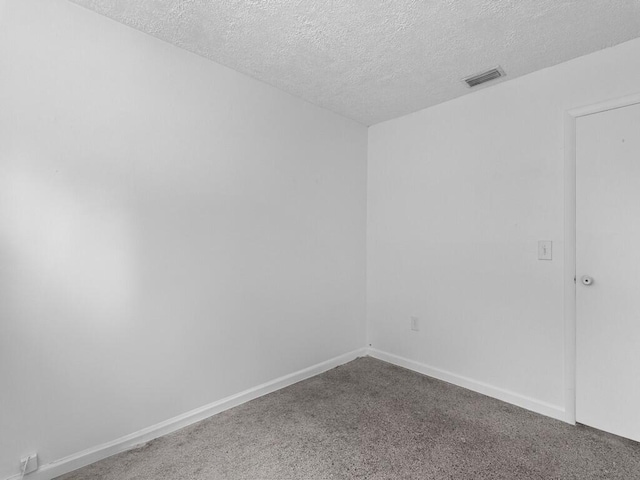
<point>73,243</point>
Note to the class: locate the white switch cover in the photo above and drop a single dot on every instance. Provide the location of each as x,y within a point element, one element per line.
<point>415,324</point>
<point>544,250</point>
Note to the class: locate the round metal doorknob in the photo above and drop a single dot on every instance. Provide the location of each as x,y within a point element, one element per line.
<point>586,280</point>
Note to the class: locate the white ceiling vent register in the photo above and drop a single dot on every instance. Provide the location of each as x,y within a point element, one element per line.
<point>484,77</point>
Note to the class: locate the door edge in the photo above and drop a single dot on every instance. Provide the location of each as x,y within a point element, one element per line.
<point>570,320</point>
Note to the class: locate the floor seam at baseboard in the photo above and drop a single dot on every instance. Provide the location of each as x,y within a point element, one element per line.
<point>99,452</point>
<point>477,386</point>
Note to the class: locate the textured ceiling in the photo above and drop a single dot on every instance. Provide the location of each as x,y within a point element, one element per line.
<point>373,60</point>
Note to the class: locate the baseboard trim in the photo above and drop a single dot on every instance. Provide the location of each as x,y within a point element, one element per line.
<point>528,403</point>
<point>100,452</point>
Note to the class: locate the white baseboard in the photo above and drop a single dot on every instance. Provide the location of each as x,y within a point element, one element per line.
<point>94,454</point>
<point>91,455</point>
<point>532,404</point>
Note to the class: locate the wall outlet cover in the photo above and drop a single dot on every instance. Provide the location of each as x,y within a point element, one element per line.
<point>31,461</point>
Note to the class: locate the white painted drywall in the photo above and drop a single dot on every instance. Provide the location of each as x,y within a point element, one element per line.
<point>171,231</point>
<point>458,197</point>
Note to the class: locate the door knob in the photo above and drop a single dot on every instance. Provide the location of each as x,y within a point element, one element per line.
<point>586,280</point>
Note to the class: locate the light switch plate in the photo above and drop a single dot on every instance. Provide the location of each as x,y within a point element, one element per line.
<point>415,324</point>
<point>544,249</point>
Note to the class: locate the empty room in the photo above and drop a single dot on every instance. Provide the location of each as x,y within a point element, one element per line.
<point>278,240</point>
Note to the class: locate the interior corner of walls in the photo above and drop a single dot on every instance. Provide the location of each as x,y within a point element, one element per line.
<point>96,453</point>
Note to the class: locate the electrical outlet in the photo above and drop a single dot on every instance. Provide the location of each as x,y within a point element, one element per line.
<point>31,463</point>
<point>415,324</point>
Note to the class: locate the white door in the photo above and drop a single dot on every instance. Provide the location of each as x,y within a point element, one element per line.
<point>608,271</point>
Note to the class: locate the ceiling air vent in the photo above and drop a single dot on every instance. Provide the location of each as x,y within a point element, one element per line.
<point>480,78</point>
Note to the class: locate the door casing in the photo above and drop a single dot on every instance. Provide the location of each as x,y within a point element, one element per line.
<point>570,242</point>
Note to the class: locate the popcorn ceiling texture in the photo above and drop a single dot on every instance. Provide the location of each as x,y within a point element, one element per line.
<point>374,60</point>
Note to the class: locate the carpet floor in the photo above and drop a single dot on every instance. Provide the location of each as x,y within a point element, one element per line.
<point>372,420</point>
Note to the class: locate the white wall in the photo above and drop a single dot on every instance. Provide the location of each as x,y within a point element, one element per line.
<point>171,232</point>
<point>458,197</point>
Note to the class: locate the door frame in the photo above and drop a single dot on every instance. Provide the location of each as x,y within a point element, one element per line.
<point>570,273</point>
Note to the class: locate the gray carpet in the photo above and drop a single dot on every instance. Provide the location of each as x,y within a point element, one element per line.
<point>372,420</point>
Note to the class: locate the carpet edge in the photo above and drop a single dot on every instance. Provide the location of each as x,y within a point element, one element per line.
<point>528,403</point>
<point>94,454</point>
